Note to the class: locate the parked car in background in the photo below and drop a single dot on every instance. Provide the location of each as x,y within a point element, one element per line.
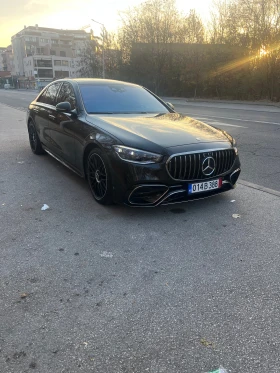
<point>132,147</point>
<point>7,86</point>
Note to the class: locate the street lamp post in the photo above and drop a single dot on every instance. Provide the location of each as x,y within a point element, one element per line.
<point>103,52</point>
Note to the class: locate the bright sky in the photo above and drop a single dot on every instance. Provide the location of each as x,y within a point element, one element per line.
<point>73,14</point>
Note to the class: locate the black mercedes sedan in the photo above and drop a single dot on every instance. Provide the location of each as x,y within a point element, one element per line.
<point>131,146</point>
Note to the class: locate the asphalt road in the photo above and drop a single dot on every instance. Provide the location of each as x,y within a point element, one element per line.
<point>87,288</point>
<point>255,127</point>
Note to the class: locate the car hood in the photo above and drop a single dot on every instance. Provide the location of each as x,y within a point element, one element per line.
<point>165,130</point>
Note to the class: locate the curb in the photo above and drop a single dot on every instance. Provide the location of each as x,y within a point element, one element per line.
<point>259,187</point>
<point>13,107</point>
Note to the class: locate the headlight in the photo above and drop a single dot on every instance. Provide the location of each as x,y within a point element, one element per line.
<point>136,155</point>
<point>236,150</point>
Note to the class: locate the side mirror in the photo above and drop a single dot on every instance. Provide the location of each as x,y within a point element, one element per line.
<point>63,107</point>
<point>170,105</point>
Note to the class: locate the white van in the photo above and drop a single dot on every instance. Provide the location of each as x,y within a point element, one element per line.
<point>7,86</point>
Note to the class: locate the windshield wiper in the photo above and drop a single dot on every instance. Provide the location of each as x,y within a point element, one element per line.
<point>132,112</point>
<point>101,112</point>
<point>122,112</point>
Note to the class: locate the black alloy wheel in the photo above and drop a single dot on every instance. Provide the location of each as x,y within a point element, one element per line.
<point>99,177</point>
<point>35,143</point>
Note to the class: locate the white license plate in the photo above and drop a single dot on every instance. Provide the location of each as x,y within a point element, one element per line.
<point>205,186</point>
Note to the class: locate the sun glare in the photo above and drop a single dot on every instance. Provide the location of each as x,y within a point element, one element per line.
<point>263,52</point>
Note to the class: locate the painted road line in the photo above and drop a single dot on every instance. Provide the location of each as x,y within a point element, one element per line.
<point>235,119</point>
<point>212,122</point>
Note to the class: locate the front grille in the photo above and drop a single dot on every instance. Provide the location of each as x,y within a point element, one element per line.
<point>189,166</point>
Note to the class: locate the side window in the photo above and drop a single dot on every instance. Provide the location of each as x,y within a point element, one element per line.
<point>51,94</point>
<point>42,97</point>
<point>66,94</point>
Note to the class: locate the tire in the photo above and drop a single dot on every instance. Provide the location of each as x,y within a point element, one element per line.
<point>34,141</point>
<point>99,177</point>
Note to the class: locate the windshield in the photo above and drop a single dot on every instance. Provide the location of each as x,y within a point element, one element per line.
<point>118,98</point>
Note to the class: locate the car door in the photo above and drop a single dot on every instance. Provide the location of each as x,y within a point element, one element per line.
<point>42,110</point>
<point>41,119</point>
<point>63,126</point>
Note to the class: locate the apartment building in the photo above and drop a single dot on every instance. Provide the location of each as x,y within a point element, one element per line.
<point>6,59</point>
<point>42,54</point>
<point>2,49</point>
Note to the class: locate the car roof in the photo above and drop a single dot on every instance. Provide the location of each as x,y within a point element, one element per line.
<point>93,81</point>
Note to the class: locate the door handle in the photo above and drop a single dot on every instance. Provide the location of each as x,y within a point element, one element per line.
<point>51,116</point>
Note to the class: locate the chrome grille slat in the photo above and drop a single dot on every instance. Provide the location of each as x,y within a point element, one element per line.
<point>230,160</point>
<point>194,166</point>
<point>222,161</point>
<point>180,172</point>
<point>198,168</point>
<point>189,166</point>
<point>225,163</point>
<point>190,159</point>
<point>218,171</point>
<point>217,162</point>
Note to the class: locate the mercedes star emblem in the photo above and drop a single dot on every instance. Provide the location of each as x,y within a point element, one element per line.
<point>208,166</point>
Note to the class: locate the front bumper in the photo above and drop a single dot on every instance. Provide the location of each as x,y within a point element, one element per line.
<point>155,195</point>
<point>150,185</point>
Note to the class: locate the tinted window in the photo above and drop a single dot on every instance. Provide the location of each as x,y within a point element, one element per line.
<point>49,95</point>
<point>119,98</point>
<point>42,97</point>
<point>66,93</point>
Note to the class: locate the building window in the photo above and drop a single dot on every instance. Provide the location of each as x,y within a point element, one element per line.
<point>57,62</point>
<point>44,63</point>
<point>54,41</point>
<point>39,50</point>
<point>52,53</point>
<point>65,63</point>
<point>62,54</point>
<point>61,74</point>
<point>45,73</point>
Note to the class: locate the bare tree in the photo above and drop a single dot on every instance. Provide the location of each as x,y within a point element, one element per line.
<point>91,61</point>
<point>154,26</point>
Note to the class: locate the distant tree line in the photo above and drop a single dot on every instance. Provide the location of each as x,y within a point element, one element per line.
<point>236,55</point>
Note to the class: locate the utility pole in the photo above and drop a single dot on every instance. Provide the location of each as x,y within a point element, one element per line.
<point>103,52</point>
